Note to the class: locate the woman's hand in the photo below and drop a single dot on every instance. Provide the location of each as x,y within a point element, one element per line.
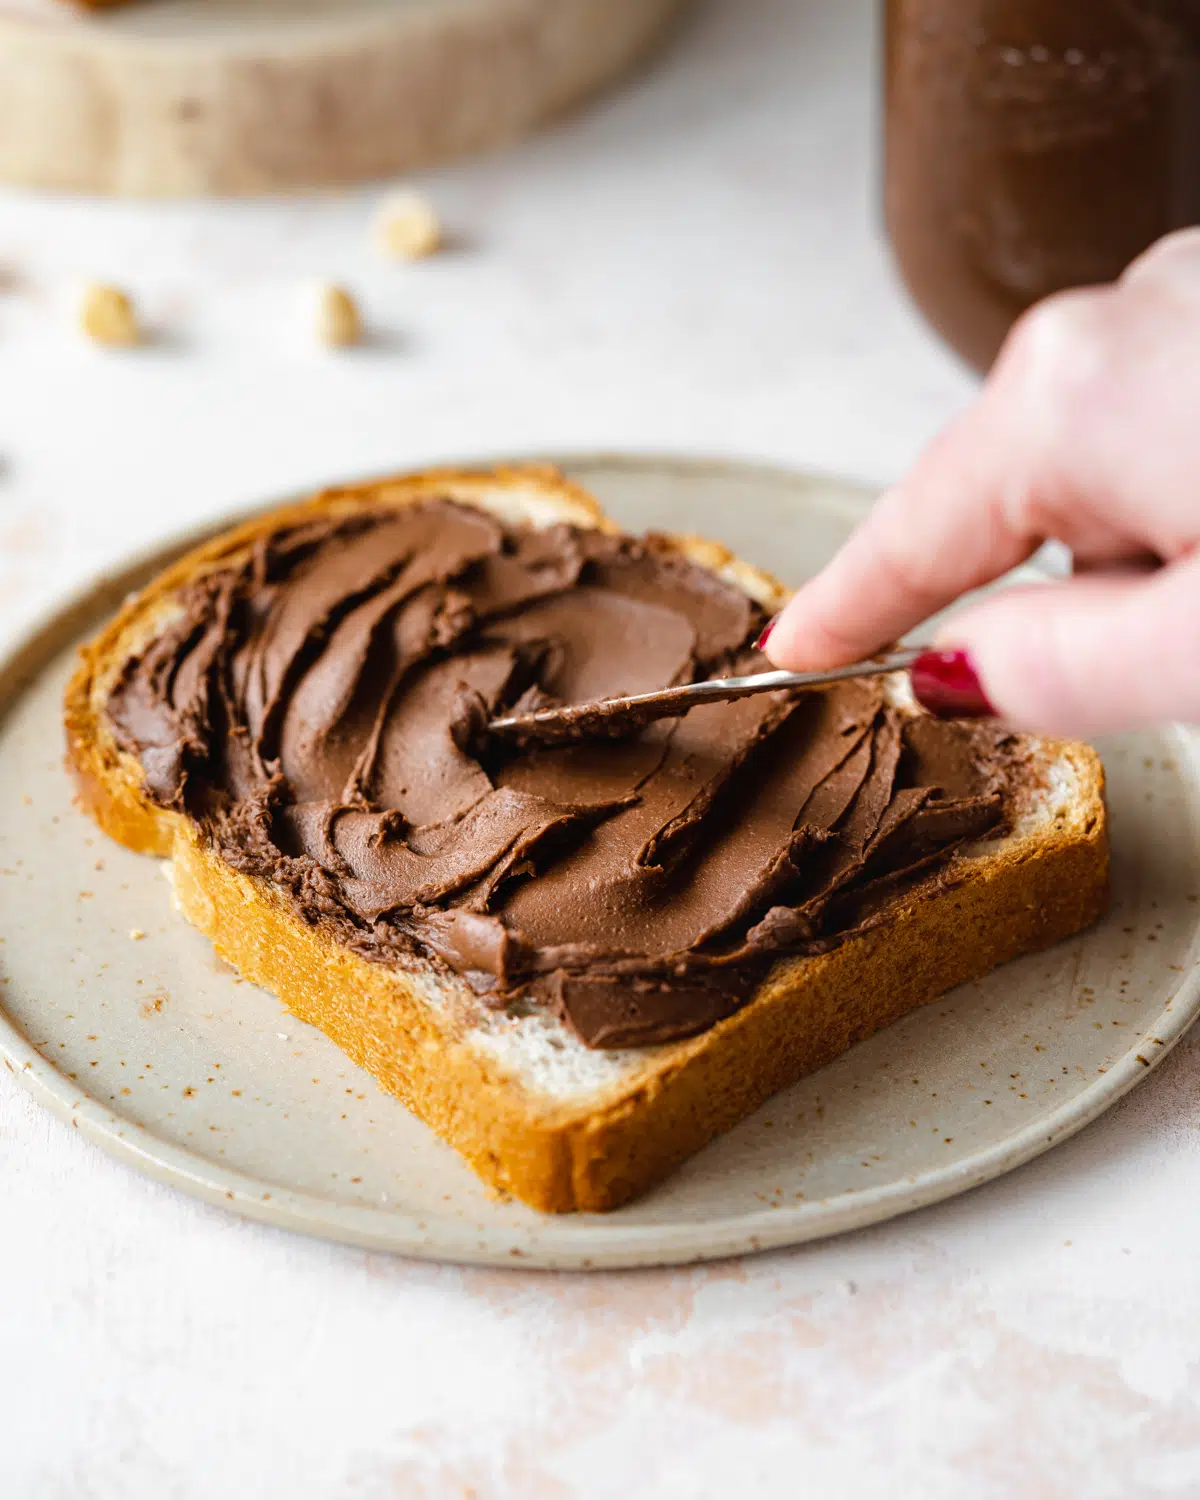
<point>1087,431</point>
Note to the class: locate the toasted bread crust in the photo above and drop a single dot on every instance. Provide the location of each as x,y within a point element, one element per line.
<point>1027,894</point>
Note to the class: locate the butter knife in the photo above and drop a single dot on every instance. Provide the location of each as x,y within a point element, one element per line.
<point>612,718</point>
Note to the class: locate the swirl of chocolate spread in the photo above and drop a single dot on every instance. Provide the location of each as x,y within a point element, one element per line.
<point>316,708</point>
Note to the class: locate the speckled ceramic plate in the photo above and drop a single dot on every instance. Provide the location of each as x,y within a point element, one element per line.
<point>120,1018</point>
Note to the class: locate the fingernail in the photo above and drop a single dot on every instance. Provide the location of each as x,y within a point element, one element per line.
<point>761,643</point>
<point>946,683</point>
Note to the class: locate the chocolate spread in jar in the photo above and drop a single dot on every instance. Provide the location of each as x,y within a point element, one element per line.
<point>1034,145</point>
<point>315,708</point>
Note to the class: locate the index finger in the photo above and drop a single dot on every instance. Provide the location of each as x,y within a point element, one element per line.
<point>942,531</point>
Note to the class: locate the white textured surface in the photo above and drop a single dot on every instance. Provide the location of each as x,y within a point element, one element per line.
<point>693,265</point>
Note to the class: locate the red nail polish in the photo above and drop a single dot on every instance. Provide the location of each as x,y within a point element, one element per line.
<point>945,683</point>
<point>761,643</point>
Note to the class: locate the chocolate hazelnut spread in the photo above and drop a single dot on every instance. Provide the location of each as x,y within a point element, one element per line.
<point>315,708</point>
<point>1034,145</point>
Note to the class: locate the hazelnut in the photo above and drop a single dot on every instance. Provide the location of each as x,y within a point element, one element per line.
<point>106,316</point>
<point>407,227</point>
<point>337,317</point>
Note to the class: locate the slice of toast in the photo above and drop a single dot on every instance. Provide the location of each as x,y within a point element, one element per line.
<point>536,1112</point>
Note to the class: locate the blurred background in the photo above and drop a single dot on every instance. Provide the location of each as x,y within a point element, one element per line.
<point>692,263</point>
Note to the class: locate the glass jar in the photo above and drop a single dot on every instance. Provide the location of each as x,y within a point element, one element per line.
<point>1033,145</point>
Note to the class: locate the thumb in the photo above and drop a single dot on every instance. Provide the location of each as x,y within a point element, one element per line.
<point>1089,655</point>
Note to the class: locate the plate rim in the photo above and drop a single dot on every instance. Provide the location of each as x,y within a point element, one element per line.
<point>572,1246</point>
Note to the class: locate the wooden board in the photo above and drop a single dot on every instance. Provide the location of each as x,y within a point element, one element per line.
<point>183,97</point>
